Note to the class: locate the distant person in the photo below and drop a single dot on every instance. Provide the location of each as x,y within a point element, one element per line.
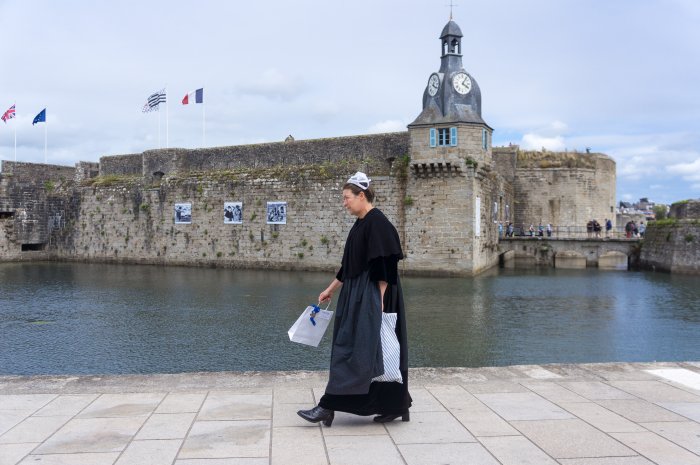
<point>597,228</point>
<point>510,230</point>
<point>549,229</point>
<point>531,229</point>
<point>635,229</point>
<point>540,230</point>
<point>589,228</point>
<point>642,228</point>
<point>628,229</point>
<point>500,230</point>
<point>608,227</point>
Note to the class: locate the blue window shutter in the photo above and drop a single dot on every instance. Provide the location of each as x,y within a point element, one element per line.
<point>453,136</point>
<point>433,141</point>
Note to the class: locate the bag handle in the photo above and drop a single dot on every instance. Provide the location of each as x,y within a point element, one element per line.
<point>317,309</point>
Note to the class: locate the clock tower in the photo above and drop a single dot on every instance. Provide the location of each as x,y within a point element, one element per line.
<point>451,122</point>
<point>453,188</point>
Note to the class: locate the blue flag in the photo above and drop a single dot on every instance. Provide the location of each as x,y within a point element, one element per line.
<point>40,118</point>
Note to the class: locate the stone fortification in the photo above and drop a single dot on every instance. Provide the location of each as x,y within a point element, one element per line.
<point>375,153</point>
<point>686,209</point>
<point>674,244</point>
<point>565,189</point>
<point>447,218</point>
<point>134,222</point>
<point>122,165</point>
<point>33,202</point>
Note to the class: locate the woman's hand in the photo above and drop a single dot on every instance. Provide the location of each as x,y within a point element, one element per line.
<point>325,296</point>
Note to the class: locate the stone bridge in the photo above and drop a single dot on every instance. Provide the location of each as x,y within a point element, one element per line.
<point>604,253</point>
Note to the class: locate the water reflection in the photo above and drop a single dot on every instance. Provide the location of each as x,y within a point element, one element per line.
<point>88,318</point>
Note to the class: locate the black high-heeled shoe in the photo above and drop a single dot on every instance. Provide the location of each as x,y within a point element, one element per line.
<point>391,417</point>
<point>317,414</point>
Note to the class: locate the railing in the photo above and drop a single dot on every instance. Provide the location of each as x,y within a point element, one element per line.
<point>570,232</point>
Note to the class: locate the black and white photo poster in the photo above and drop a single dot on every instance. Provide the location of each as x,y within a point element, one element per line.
<point>276,212</point>
<point>233,212</point>
<point>183,213</point>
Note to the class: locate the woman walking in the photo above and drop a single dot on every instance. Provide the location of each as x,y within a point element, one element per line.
<point>369,285</point>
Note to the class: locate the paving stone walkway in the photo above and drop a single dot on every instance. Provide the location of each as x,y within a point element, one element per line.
<point>599,414</point>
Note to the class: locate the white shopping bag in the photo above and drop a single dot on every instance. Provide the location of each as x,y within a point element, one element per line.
<point>391,350</point>
<point>310,326</point>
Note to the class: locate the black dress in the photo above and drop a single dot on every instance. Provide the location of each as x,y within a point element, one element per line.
<point>371,254</point>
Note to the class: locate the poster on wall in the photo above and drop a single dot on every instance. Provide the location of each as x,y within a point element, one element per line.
<point>276,212</point>
<point>233,212</point>
<point>183,213</point>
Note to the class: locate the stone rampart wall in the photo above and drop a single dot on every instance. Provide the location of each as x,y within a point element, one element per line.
<point>375,154</point>
<point>672,245</point>
<point>684,210</point>
<point>28,192</point>
<point>135,223</point>
<point>36,173</point>
<point>505,161</point>
<point>122,165</point>
<point>564,195</point>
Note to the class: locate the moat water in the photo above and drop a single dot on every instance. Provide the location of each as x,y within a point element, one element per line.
<point>65,318</point>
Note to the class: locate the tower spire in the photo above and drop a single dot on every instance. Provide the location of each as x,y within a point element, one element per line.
<point>452,4</point>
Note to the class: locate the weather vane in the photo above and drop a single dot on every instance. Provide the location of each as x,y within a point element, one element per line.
<point>452,4</point>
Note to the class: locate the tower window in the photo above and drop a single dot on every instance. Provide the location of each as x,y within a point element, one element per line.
<point>484,139</point>
<point>444,136</point>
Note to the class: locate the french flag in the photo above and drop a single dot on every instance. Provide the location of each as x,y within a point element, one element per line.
<point>198,97</point>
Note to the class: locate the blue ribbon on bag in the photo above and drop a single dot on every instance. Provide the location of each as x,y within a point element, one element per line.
<point>313,314</point>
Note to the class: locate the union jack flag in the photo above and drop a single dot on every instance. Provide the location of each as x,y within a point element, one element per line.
<point>9,114</point>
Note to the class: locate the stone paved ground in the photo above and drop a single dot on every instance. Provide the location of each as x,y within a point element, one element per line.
<point>603,414</point>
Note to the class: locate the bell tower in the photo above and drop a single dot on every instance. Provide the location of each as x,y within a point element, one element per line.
<point>452,180</point>
<point>450,131</point>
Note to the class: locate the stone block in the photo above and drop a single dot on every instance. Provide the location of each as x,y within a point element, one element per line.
<point>569,260</point>
<point>571,439</point>
<point>613,261</point>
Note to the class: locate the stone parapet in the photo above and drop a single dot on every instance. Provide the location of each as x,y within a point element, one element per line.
<point>687,209</point>
<point>672,245</point>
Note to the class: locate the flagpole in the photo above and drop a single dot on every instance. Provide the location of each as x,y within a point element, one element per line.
<point>204,132</point>
<point>46,132</point>
<point>166,117</point>
<point>158,127</point>
<point>14,126</point>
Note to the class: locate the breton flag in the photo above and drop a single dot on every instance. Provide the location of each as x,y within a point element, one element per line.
<point>9,114</point>
<point>153,101</point>
<point>40,118</point>
<point>198,96</point>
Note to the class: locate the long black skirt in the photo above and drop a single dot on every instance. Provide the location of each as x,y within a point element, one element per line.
<point>382,399</point>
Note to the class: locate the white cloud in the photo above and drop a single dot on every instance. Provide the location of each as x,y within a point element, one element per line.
<point>325,109</point>
<point>274,84</point>
<point>532,141</point>
<point>389,125</point>
<point>689,171</point>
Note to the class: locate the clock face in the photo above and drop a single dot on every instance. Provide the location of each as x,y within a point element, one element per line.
<point>433,84</point>
<point>462,83</point>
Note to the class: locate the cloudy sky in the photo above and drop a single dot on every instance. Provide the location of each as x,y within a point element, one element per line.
<point>618,76</point>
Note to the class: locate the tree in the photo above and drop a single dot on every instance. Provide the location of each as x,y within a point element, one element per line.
<point>660,212</point>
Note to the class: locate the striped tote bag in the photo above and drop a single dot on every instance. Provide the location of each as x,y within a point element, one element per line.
<point>390,350</point>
